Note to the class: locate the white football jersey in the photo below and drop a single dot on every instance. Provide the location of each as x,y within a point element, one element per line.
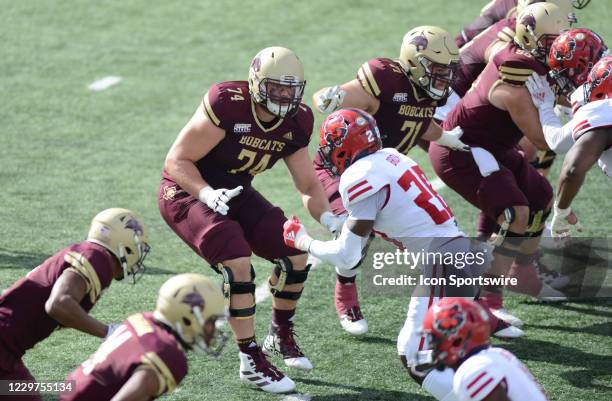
<point>412,208</point>
<point>597,114</point>
<point>478,376</point>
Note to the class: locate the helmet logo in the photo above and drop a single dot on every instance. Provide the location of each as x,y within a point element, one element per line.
<point>571,47</point>
<point>133,224</point>
<point>336,129</point>
<point>450,321</point>
<point>529,21</point>
<point>420,42</point>
<point>256,64</point>
<point>193,299</point>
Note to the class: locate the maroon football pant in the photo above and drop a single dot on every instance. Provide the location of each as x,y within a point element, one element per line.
<point>13,369</point>
<point>517,183</point>
<point>252,225</point>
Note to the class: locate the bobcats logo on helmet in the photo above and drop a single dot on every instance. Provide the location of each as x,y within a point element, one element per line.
<point>133,224</point>
<point>256,64</point>
<point>529,21</point>
<point>194,299</point>
<point>420,42</point>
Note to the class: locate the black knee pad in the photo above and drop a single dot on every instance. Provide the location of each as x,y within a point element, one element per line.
<point>287,275</point>
<point>231,287</point>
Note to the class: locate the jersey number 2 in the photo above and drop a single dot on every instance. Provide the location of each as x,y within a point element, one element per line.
<point>415,176</point>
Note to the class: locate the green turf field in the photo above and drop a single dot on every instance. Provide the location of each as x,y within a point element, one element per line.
<point>67,153</point>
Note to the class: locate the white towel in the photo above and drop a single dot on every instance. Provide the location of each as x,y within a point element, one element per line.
<point>485,161</point>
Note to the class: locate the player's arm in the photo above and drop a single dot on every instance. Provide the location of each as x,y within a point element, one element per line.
<point>63,305</point>
<point>310,188</point>
<point>449,139</point>
<point>143,385</point>
<point>491,13</point>
<point>350,94</point>
<point>578,161</point>
<point>199,136</point>
<point>517,101</point>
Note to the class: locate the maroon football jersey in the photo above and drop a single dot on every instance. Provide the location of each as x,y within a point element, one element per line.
<point>23,320</point>
<point>473,55</point>
<point>494,11</point>
<point>249,146</point>
<point>483,124</point>
<point>405,111</point>
<point>138,341</point>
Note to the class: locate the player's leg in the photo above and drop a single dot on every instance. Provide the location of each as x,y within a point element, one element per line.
<point>221,241</point>
<point>346,297</point>
<point>17,372</point>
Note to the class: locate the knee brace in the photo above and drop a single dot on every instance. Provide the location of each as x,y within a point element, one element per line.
<point>283,269</point>
<point>544,159</point>
<point>507,242</point>
<point>537,219</point>
<point>231,287</point>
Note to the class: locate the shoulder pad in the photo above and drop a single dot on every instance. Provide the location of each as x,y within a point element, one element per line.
<point>515,66</point>
<point>359,182</point>
<point>379,77</point>
<point>223,97</point>
<point>305,120</point>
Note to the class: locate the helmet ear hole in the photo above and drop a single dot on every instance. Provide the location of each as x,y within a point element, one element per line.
<point>186,322</point>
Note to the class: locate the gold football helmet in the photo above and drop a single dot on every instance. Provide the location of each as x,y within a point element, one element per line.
<point>123,233</point>
<point>564,5</point>
<point>190,304</point>
<point>537,26</point>
<point>276,80</point>
<point>430,57</point>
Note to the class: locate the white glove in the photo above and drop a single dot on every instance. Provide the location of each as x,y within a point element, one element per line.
<point>111,329</point>
<point>217,199</point>
<point>540,91</point>
<point>450,139</point>
<point>332,222</point>
<point>330,99</point>
<point>560,225</point>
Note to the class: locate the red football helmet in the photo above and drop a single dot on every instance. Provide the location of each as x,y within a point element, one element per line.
<point>454,327</point>
<point>571,57</point>
<point>346,136</point>
<point>599,83</point>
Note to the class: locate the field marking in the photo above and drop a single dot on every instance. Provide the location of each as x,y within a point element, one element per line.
<point>438,184</point>
<point>104,83</point>
<point>297,397</point>
<point>262,292</point>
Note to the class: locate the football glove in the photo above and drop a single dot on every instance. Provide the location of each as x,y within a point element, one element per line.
<point>217,199</point>
<point>562,221</point>
<point>111,329</point>
<point>295,234</point>
<point>330,99</point>
<point>332,222</point>
<point>540,91</point>
<point>450,139</point>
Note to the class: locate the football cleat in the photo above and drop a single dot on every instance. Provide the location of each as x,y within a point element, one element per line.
<point>551,277</point>
<point>549,294</point>
<point>503,315</point>
<point>506,330</point>
<point>353,322</point>
<point>281,342</point>
<point>256,370</point>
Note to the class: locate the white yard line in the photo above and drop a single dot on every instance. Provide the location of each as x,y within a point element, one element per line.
<point>297,397</point>
<point>104,83</point>
<point>262,292</point>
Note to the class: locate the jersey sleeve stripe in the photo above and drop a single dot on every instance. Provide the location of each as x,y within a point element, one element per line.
<point>370,77</point>
<point>364,82</point>
<point>485,384</point>
<point>354,187</point>
<point>80,265</point>
<point>360,192</point>
<point>167,382</point>
<point>476,380</point>
<point>515,71</point>
<point>140,324</point>
<point>209,111</point>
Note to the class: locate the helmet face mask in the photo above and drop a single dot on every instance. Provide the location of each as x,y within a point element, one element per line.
<point>281,97</point>
<point>438,78</point>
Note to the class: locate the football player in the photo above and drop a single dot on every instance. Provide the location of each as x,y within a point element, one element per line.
<point>587,138</point>
<point>458,333</point>
<point>63,289</point>
<point>386,191</point>
<point>145,356</point>
<point>511,191</point>
<point>402,95</point>
<point>497,10</point>
<point>241,129</point>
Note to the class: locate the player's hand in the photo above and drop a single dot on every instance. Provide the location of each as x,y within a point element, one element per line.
<point>217,199</point>
<point>450,139</point>
<point>295,234</point>
<point>330,99</point>
<point>540,91</point>
<point>111,329</point>
<point>562,221</point>
<point>332,222</point>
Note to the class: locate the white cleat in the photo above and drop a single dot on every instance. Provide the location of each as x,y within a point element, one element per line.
<point>549,294</point>
<point>280,341</point>
<point>354,327</point>
<point>551,277</point>
<point>256,370</point>
<point>508,331</point>
<point>549,242</point>
<point>503,314</point>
